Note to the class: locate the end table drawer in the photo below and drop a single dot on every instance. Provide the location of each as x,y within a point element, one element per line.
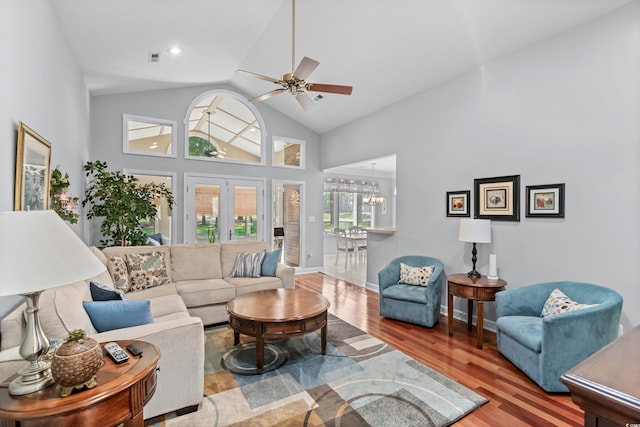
<point>315,322</point>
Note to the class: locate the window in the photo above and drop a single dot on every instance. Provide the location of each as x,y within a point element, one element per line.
<point>222,126</point>
<point>148,136</point>
<point>343,209</point>
<point>162,223</point>
<point>288,153</point>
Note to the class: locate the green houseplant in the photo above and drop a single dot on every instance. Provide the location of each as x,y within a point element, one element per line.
<point>122,202</point>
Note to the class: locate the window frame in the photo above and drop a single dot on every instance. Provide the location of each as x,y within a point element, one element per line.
<point>126,118</point>
<point>300,142</point>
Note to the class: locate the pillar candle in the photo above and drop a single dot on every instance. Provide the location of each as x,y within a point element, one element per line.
<point>493,267</point>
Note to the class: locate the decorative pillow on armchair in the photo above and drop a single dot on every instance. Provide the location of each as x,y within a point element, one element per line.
<point>248,265</point>
<point>146,270</point>
<point>558,303</point>
<point>415,275</point>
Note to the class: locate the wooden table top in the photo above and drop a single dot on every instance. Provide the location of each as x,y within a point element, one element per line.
<point>480,282</point>
<point>111,379</point>
<point>278,305</point>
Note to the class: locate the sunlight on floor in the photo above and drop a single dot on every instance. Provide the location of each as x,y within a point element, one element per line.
<point>355,272</point>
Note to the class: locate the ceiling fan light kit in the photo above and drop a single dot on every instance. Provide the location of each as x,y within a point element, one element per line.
<point>295,81</point>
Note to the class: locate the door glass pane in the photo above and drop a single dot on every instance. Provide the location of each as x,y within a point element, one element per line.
<point>245,213</point>
<point>207,213</point>
<point>162,222</point>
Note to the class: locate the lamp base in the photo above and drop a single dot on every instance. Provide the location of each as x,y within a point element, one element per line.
<point>34,377</point>
<point>474,273</point>
<point>492,277</point>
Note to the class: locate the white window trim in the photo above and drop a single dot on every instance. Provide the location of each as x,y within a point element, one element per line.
<point>164,122</point>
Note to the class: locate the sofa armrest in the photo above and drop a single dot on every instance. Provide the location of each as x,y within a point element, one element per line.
<point>181,366</point>
<point>11,362</point>
<point>286,274</point>
<point>12,327</point>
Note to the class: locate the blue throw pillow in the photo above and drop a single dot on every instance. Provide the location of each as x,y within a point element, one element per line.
<point>100,292</point>
<point>270,263</point>
<point>108,315</point>
<point>157,237</point>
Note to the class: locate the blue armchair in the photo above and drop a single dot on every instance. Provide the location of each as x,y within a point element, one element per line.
<point>546,347</point>
<point>411,303</point>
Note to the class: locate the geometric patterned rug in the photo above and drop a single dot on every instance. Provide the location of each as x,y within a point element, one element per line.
<point>361,381</point>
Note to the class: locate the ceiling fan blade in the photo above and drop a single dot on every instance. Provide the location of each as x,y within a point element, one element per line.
<point>318,87</point>
<point>259,76</point>
<point>305,102</point>
<point>266,95</point>
<point>305,68</point>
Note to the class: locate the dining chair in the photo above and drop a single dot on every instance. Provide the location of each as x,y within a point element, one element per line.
<point>343,245</point>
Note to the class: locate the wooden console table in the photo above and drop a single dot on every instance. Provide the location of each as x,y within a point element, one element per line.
<point>478,289</point>
<point>607,384</point>
<point>118,398</point>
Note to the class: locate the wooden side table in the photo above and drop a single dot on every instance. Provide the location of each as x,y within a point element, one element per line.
<point>474,289</point>
<point>118,398</point>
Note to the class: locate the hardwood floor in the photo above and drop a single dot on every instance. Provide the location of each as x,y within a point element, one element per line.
<point>514,400</point>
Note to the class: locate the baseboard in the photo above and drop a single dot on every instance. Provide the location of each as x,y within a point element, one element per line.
<point>462,316</point>
<point>300,270</point>
<point>373,286</point>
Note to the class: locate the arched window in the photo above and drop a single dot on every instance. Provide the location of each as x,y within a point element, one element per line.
<point>223,126</point>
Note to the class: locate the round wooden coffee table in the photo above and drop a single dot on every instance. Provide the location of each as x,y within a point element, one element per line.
<point>275,314</point>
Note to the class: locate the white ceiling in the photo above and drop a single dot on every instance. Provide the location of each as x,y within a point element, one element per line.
<point>387,50</point>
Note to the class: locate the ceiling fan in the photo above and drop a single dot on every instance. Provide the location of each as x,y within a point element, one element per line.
<point>294,82</point>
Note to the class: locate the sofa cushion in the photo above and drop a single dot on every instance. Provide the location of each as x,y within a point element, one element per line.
<point>147,270</point>
<point>167,305</point>
<point>270,263</point>
<point>152,293</point>
<point>248,264</point>
<point>117,267</point>
<point>195,261</point>
<point>100,292</point>
<point>527,330</point>
<point>229,252</point>
<point>109,315</point>
<point>196,293</point>
<point>245,284</point>
<point>121,251</point>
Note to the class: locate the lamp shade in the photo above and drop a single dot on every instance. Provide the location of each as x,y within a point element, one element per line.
<point>475,230</point>
<point>39,251</point>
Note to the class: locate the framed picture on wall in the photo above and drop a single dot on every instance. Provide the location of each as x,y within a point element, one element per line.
<point>545,201</point>
<point>497,198</point>
<point>458,203</point>
<point>33,158</point>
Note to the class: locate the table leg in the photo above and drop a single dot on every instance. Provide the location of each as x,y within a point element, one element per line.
<point>450,313</point>
<point>236,338</point>
<point>480,322</point>
<point>259,354</point>
<point>323,339</point>
<point>469,314</point>
<point>136,421</point>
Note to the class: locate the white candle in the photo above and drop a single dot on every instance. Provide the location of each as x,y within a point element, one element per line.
<point>493,267</point>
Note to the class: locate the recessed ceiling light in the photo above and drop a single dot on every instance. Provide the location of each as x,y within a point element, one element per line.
<point>175,50</point>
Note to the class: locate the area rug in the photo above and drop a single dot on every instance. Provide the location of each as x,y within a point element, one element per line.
<point>361,381</point>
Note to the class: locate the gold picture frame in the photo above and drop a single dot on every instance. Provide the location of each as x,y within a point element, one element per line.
<point>33,164</point>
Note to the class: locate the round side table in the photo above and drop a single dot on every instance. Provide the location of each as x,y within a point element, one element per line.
<point>478,289</point>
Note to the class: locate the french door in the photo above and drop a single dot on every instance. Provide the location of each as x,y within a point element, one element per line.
<point>220,209</point>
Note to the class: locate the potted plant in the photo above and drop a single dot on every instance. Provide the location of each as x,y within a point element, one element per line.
<point>121,201</point>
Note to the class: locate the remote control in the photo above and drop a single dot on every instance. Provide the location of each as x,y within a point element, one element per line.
<point>116,353</point>
<point>134,350</point>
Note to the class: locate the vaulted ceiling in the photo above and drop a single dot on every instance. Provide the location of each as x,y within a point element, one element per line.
<point>387,50</point>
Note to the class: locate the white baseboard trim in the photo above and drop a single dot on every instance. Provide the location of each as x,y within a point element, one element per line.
<point>462,316</point>
<point>373,286</point>
<point>300,270</point>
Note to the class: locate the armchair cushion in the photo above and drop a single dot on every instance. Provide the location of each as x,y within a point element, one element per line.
<point>415,275</point>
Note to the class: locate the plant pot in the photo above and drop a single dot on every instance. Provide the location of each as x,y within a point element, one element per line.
<point>75,364</point>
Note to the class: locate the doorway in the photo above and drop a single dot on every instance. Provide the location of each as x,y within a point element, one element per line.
<point>287,221</point>
<point>223,209</point>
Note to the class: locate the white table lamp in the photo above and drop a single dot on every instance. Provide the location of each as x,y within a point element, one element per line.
<point>475,231</point>
<point>38,251</point>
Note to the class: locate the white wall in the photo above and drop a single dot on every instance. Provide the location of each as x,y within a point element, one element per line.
<point>40,85</point>
<point>566,109</point>
<point>172,104</point>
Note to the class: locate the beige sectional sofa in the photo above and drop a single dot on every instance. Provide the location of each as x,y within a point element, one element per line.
<point>198,286</point>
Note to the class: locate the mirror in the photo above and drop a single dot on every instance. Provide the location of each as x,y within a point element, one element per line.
<point>288,153</point>
<point>33,158</point>
<point>148,136</point>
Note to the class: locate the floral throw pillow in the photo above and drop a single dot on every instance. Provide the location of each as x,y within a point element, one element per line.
<point>415,275</point>
<point>146,270</point>
<point>118,269</point>
<point>558,303</point>
<point>248,264</point>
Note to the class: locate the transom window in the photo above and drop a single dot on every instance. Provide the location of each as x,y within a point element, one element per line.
<point>223,127</point>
